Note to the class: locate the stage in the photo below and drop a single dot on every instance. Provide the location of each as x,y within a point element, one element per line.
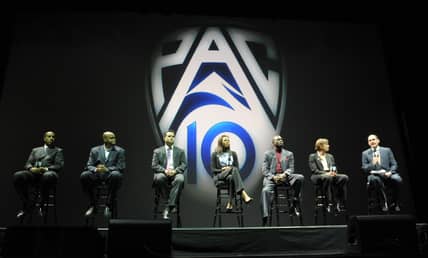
<point>291,241</point>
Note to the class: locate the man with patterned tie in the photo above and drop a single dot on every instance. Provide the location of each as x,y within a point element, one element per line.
<point>42,168</point>
<point>169,165</point>
<point>278,168</point>
<point>106,163</point>
<point>381,168</point>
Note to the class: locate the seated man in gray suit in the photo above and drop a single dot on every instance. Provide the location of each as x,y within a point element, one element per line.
<point>42,168</point>
<point>278,168</point>
<point>106,163</point>
<point>380,165</point>
<point>169,165</point>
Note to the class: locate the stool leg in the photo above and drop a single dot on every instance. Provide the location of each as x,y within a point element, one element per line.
<point>241,211</point>
<point>156,206</point>
<point>238,213</point>
<point>276,207</point>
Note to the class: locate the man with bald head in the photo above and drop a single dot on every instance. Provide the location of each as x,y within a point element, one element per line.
<point>41,169</point>
<point>106,163</point>
<point>381,168</point>
<point>278,169</point>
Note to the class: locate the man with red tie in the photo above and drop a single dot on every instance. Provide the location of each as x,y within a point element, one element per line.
<point>278,168</point>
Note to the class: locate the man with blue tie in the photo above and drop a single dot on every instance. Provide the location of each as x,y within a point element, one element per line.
<point>106,163</point>
<point>381,168</point>
<point>169,165</point>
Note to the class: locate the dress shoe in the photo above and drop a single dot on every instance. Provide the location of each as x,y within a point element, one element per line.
<point>264,221</point>
<point>90,211</point>
<point>385,207</point>
<point>173,210</point>
<point>166,213</point>
<point>395,207</point>
<point>337,208</point>
<point>294,211</point>
<point>21,214</point>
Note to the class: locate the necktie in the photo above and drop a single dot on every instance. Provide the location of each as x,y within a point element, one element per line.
<point>170,163</point>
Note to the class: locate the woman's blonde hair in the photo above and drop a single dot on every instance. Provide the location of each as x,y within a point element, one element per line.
<point>319,142</point>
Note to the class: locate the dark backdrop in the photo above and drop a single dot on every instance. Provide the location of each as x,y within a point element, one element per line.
<point>81,73</point>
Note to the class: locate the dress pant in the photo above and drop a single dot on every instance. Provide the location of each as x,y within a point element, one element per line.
<point>24,180</point>
<point>90,180</point>
<point>294,180</point>
<point>335,187</point>
<point>379,183</point>
<point>233,179</point>
<point>169,187</point>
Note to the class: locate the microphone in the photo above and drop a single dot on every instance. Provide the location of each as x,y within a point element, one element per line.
<point>375,153</point>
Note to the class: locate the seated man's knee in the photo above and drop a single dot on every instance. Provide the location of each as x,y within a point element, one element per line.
<point>85,176</point>
<point>397,179</point>
<point>179,178</point>
<point>116,175</point>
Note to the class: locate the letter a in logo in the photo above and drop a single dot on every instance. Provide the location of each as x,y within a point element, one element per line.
<point>210,81</point>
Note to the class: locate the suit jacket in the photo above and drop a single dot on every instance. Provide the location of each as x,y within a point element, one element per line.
<point>52,158</point>
<point>216,166</point>
<point>269,163</point>
<point>315,163</point>
<point>387,160</point>
<point>115,161</point>
<point>159,160</point>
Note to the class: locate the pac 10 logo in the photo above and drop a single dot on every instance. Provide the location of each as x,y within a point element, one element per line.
<point>214,80</point>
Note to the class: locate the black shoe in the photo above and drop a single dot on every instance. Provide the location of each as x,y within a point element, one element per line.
<point>264,221</point>
<point>90,211</point>
<point>21,214</point>
<point>395,207</point>
<point>337,208</point>
<point>296,207</point>
<point>166,213</point>
<point>293,211</point>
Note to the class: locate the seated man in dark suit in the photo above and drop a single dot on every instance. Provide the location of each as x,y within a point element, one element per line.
<point>169,165</point>
<point>42,168</point>
<point>278,169</point>
<point>106,163</point>
<point>381,168</point>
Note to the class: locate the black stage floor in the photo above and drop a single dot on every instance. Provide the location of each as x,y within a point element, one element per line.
<point>291,241</point>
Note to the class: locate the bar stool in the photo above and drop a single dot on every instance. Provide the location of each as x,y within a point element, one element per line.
<point>223,190</point>
<point>102,195</point>
<point>282,203</point>
<point>43,208</point>
<point>320,203</point>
